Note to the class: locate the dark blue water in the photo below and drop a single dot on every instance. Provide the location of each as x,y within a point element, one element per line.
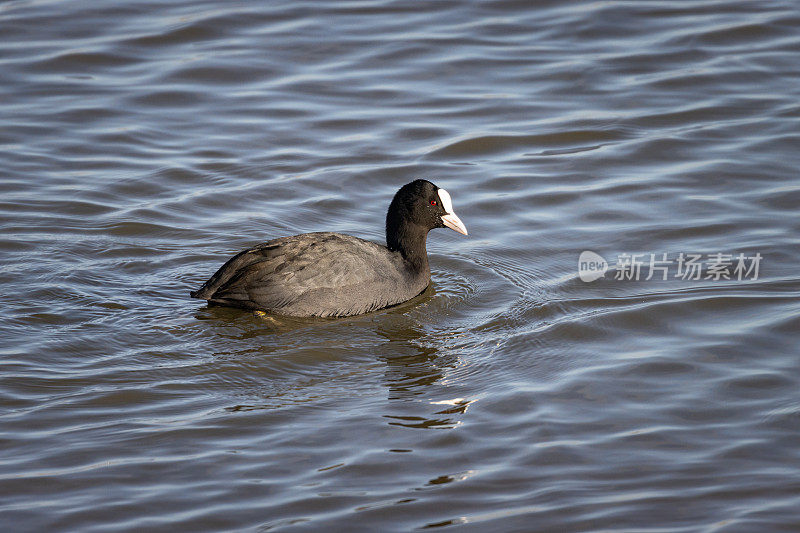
<point>142,144</point>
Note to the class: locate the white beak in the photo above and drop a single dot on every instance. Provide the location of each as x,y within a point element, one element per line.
<point>450,219</point>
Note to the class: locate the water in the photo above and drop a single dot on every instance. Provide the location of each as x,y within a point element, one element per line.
<point>144,143</point>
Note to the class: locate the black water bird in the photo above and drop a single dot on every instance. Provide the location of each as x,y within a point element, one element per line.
<point>331,274</point>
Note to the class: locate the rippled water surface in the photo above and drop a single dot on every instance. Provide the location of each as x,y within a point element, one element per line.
<point>143,143</point>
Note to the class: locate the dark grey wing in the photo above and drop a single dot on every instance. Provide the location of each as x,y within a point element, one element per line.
<point>264,254</point>
<point>311,274</point>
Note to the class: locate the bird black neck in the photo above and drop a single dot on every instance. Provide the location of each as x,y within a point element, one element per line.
<point>409,239</point>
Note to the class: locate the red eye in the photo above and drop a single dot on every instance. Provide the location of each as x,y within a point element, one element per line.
<point>433,202</point>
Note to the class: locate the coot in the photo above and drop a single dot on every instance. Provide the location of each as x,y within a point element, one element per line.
<point>331,274</point>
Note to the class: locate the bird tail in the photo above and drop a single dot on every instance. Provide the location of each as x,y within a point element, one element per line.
<point>199,293</point>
